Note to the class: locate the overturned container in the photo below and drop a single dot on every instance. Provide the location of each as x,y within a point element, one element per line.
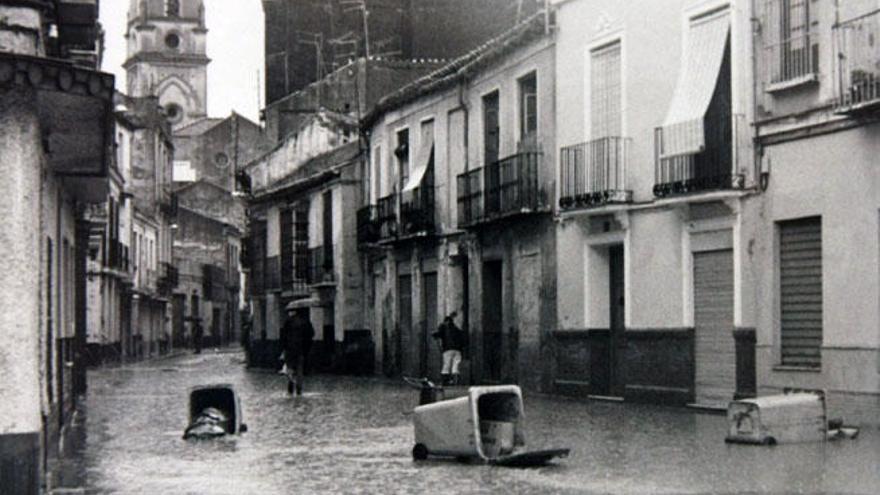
<point>795,416</point>
<point>214,410</point>
<point>486,424</point>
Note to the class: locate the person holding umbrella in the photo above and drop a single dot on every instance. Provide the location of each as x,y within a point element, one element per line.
<point>296,339</point>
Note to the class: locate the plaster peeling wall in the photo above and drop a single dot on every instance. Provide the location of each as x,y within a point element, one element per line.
<point>20,237</point>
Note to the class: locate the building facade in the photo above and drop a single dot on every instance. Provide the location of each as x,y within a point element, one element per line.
<point>458,215</point>
<point>56,147</point>
<point>302,244</point>
<point>209,154</point>
<point>656,294</point>
<point>816,249</point>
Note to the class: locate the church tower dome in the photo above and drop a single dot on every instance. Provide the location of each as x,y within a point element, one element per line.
<point>167,58</point>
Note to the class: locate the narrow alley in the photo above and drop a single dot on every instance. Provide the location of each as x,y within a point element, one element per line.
<point>354,435</point>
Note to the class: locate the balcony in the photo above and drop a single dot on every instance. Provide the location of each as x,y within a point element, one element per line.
<point>272,276</point>
<point>710,169</point>
<point>117,255</point>
<point>387,217</point>
<point>470,197</point>
<point>859,64</point>
<point>510,186</point>
<point>321,266</point>
<point>368,224</point>
<point>417,211</point>
<point>169,277</point>
<point>594,173</point>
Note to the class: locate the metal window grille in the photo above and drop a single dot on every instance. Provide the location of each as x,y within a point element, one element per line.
<point>790,42</point>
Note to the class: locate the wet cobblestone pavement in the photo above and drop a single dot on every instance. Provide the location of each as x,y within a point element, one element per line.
<point>354,435</point>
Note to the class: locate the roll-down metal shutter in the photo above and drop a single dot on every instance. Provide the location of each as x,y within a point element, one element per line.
<point>714,347</point>
<point>800,259</point>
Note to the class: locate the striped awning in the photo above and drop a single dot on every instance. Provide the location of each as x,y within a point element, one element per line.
<point>423,161</point>
<point>701,62</point>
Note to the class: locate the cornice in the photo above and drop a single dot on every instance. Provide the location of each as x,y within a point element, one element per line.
<point>54,75</point>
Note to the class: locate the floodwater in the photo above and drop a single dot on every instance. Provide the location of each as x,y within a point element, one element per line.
<point>354,435</point>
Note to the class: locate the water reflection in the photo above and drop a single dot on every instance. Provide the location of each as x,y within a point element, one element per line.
<point>355,435</point>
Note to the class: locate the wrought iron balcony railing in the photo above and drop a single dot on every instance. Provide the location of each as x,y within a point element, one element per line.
<point>117,255</point>
<point>470,197</point>
<point>512,185</point>
<point>321,265</point>
<point>168,278</point>
<point>368,224</point>
<point>859,63</point>
<point>387,216</point>
<point>712,168</point>
<point>594,173</point>
<point>417,211</point>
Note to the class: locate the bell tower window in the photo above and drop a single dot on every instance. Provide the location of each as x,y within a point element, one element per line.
<point>173,113</point>
<point>172,8</point>
<point>172,41</point>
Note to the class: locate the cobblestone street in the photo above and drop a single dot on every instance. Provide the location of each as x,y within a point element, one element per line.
<point>354,435</point>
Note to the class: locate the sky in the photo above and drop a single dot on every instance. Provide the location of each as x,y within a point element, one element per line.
<point>235,47</point>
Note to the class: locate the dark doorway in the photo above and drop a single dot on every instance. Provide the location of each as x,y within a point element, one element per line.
<point>432,354</point>
<point>177,315</point>
<point>605,379</point>
<point>328,338</point>
<point>404,334</point>
<point>493,320</point>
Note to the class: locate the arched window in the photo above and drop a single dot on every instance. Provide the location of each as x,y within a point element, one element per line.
<point>172,8</point>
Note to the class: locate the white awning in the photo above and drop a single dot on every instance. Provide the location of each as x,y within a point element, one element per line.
<point>423,161</point>
<point>701,62</point>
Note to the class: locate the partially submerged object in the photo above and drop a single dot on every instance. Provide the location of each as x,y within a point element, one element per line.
<point>486,424</point>
<point>794,416</point>
<point>214,411</point>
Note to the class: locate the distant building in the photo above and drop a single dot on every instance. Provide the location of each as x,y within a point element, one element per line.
<point>210,223</point>
<point>308,39</point>
<point>166,56</point>
<point>56,130</point>
<point>456,213</point>
<point>302,240</point>
<point>146,151</point>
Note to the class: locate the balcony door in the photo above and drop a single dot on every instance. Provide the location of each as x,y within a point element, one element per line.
<point>491,150</point>
<point>605,118</point>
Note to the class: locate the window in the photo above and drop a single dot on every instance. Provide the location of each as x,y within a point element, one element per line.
<point>301,241</point>
<point>172,8</point>
<point>401,151</point>
<point>221,160</point>
<point>800,261</point>
<point>605,94</point>
<point>173,113</point>
<point>491,129</point>
<point>528,107</point>
<point>791,43</point>
<point>376,190</point>
<point>172,41</point>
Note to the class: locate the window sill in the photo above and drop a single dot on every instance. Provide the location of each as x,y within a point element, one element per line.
<point>792,83</point>
<point>806,369</point>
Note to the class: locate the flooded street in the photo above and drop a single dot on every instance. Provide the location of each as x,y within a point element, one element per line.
<point>354,435</point>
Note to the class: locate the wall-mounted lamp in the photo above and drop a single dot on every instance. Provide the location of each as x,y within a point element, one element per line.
<point>764,179</point>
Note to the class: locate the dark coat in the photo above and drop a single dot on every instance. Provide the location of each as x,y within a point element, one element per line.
<point>297,334</point>
<point>451,337</point>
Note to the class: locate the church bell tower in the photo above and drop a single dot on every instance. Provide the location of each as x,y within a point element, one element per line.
<point>166,56</point>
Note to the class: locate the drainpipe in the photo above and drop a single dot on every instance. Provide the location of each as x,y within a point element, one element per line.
<point>758,152</point>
